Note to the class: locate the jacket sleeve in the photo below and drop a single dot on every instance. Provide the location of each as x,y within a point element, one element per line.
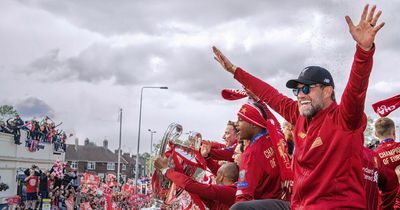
<point>351,107</point>
<point>222,154</point>
<point>283,105</point>
<point>223,194</point>
<point>213,166</point>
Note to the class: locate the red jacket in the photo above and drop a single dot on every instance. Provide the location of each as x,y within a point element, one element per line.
<point>223,153</point>
<point>213,165</point>
<point>215,197</point>
<point>259,176</point>
<point>327,160</point>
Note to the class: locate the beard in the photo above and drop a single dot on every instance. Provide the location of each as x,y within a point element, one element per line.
<point>311,110</point>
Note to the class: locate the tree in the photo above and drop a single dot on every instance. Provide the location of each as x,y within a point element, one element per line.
<point>369,137</point>
<point>6,112</point>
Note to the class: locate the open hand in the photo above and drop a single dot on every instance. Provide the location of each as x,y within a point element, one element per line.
<point>364,33</point>
<point>205,148</point>
<point>225,62</point>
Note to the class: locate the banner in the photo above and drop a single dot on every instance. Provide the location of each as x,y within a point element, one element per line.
<point>385,107</point>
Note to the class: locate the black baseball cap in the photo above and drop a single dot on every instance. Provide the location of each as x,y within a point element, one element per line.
<point>312,75</point>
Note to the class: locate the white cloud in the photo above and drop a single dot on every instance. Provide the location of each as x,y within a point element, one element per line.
<point>87,59</point>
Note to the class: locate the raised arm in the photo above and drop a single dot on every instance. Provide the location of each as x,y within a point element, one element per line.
<point>353,98</point>
<point>283,105</point>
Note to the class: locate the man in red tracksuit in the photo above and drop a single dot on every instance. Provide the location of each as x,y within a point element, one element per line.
<point>259,175</point>
<point>377,177</point>
<point>328,137</point>
<point>218,196</point>
<point>388,152</point>
<point>230,137</point>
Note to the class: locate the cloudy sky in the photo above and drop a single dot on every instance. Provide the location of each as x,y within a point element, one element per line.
<point>79,62</point>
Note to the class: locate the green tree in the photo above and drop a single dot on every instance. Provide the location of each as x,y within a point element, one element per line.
<point>6,112</point>
<point>369,137</point>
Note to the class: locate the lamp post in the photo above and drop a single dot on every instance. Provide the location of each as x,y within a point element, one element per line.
<point>119,145</point>
<point>151,149</point>
<point>138,141</point>
<point>151,140</point>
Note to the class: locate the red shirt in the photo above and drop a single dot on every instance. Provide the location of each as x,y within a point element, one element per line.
<point>397,201</point>
<point>32,184</point>
<point>215,197</point>
<point>259,176</point>
<point>327,161</point>
<point>388,185</point>
<point>389,154</point>
<point>370,173</point>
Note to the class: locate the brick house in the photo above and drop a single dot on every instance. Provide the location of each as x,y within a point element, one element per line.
<point>96,159</point>
<point>131,159</point>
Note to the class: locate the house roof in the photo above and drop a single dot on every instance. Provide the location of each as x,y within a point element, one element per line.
<point>91,153</point>
<point>132,159</point>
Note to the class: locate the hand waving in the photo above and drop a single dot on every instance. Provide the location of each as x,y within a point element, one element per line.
<point>364,33</point>
<point>225,62</point>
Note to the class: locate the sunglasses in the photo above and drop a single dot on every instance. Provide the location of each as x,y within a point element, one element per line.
<point>305,89</point>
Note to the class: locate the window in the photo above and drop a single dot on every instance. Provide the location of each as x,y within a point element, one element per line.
<point>123,177</point>
<point>74,164</point>
<point>91,165</point>
<point>123,167</point>
<point>110,166</point>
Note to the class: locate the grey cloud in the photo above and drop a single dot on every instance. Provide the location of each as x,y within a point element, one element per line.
<point>109,17</point>
<point>34,107</point>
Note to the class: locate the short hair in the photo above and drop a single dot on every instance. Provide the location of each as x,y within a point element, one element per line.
<point>287,124</point>
<point>234,125</point>
<point>383,126</point>
<point>231,171</point>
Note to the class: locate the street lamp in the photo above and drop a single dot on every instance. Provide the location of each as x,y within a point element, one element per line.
<point>151,140</point>
<point>138,141</point>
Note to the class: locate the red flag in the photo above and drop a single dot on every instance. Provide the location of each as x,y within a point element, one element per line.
<point>233,94</point>
<point>385,107</point>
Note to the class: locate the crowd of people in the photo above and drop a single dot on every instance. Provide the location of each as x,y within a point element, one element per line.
<point>38,135</point>
<point>60,187</point>
<point>318,159</point>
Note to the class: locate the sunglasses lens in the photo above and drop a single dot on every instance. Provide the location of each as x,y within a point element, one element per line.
<point>306,89</point>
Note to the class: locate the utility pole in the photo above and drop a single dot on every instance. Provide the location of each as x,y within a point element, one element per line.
<point>119,145</point>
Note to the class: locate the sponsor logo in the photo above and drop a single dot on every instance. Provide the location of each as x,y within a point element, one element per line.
<point>242,185</point>
<point>317,142</point>
<point>242,174</point>
<point>302,135</point>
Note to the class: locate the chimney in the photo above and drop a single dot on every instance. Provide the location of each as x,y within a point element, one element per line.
<point>86,141</point>
<point>76,144</point>
<point>105,144</point>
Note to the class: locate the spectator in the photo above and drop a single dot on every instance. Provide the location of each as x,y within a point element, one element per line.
<point>43,186</point>
<point>32,182</point>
